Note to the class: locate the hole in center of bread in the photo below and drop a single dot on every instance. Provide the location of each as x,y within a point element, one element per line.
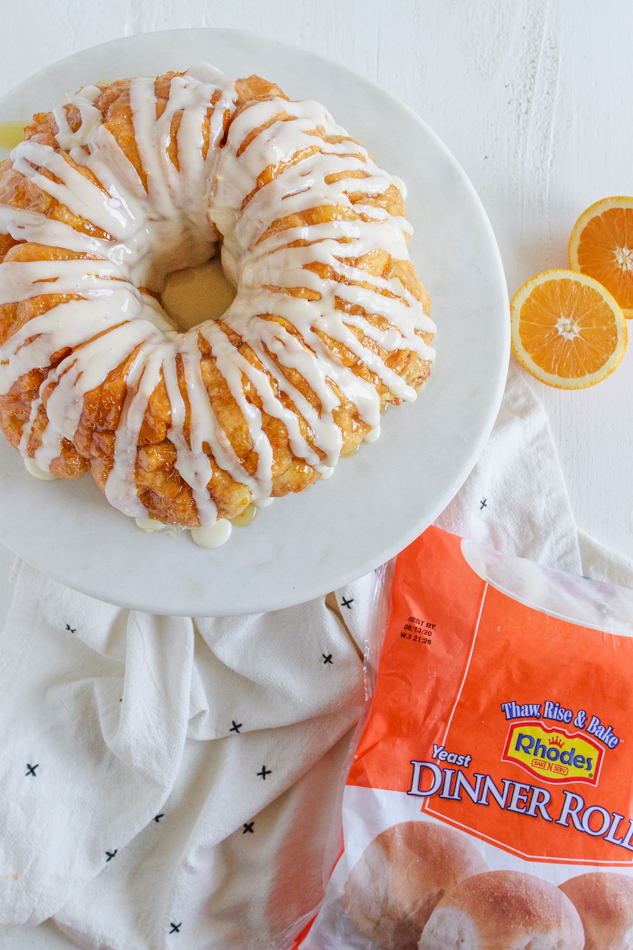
<point>196,294</point>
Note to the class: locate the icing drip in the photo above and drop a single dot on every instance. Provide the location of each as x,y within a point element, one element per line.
<point>37,472</point>
<point>150,525</point>
<point>372,435</point>
<point>172,224</point>
<point>214,535</point>
<point>263,502</point>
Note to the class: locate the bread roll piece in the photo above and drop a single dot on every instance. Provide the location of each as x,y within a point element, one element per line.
<point>503,910</point>
<point>400,877</point>
<point>605,904</point>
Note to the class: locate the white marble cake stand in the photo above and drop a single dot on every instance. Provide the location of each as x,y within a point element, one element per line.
<point>378,500</point>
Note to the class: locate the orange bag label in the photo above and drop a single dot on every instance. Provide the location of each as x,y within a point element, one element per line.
<point>553,755</point>
<point>503,721</point>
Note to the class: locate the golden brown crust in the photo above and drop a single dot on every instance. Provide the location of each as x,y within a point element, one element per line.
<point>504,910</point>
<point>400,877</point>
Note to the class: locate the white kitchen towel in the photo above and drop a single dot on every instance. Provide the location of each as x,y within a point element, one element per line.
<point>165,776</point>
<point>515,500</point>
<point>170,783</point>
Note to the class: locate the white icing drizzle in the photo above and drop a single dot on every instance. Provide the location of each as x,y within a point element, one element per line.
<point>213,535</point>
<point>173,223</point>
<point>36,471</point>
<point>150,525</point>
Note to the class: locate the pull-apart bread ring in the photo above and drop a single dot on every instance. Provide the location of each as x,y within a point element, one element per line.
<point>503,910</point>
<point>135,179</point>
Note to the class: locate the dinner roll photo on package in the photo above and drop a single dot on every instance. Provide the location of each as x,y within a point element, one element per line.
<point>490,801</point>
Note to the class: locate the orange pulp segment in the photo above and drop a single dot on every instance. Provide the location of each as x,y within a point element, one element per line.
<point>567,329</point>
<point>601,245</point>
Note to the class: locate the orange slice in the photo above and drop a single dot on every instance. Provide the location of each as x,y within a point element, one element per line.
<point>601,245</point>
<point>567,329</point>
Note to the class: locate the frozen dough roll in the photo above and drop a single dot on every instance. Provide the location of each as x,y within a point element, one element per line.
<point>604,901</point>
<point>503,910</point>
<point>393,888</point>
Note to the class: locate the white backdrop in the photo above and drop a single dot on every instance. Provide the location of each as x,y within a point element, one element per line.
<point>532,97</point>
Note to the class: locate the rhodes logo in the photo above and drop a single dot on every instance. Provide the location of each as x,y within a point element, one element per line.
<point>553,755</point>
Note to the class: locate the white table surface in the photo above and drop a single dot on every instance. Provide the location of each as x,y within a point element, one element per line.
<point>533,97</point>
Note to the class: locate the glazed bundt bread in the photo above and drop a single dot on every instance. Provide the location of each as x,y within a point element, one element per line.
<point>135,179</point>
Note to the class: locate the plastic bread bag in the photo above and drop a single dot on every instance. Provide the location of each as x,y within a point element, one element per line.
<point>367,632</point>
<point>490,801</point>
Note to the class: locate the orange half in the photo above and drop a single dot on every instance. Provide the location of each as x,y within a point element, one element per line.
<point>567,329</point>
<point>601,245</point>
